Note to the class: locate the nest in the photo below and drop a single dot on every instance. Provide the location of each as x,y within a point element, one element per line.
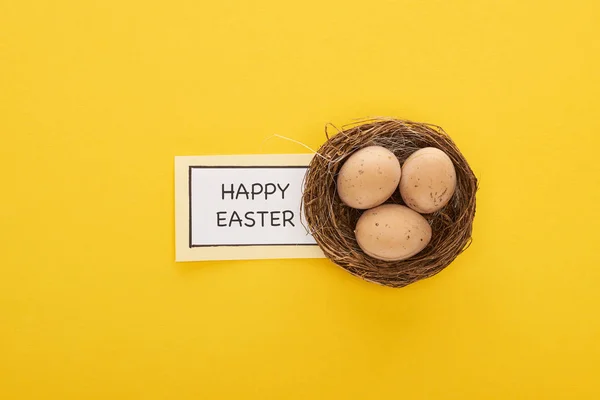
<point>332,223</point>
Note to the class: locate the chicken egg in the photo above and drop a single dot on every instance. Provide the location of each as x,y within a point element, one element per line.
<point>392,232</point>
<point>368,177</point>
<point>428,180</point>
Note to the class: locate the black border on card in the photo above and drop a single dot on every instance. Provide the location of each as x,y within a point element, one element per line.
<point>191,167</point>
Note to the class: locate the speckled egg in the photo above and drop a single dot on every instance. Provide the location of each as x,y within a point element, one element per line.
<point>428,180</point>
<point>368,177</point>
<point>392,232</point>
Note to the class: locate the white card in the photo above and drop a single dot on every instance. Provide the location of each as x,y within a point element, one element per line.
<point>241,207</point>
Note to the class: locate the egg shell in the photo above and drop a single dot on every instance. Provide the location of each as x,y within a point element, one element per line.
<point>392,232</point>
<point>368,177</point>
<point>428,180</point>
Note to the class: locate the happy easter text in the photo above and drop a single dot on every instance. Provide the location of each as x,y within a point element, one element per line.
<point>257,218</point>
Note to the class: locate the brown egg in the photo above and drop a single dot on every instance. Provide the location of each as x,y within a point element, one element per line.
<point>369,177</point>
<point>428,180</point>
<point>392,232</point>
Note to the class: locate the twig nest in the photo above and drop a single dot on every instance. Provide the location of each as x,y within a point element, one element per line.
<point>399,260</point>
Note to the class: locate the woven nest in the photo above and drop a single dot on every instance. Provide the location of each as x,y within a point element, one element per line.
<point>332,223</point>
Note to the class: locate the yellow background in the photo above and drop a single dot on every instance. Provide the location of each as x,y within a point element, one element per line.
<point>98,96</point>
